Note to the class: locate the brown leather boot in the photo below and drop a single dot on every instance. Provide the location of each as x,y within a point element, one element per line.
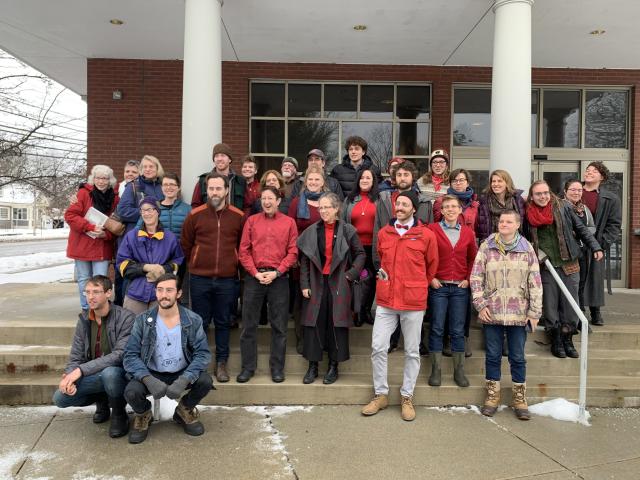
<point>492,402</point>
<point>407,412</point>
<point>189,419</point>
<point>222,375</point>
<point>520,407</point>
<point>377,403</point>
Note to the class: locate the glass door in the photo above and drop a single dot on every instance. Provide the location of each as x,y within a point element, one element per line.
<point>555,174</point>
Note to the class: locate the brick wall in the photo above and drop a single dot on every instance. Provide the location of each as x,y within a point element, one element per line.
<point>148,118</point>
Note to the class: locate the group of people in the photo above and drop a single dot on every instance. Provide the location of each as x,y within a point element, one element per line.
<point>320,248</point>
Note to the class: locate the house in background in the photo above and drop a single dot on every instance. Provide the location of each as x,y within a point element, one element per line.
<point>19,210</point>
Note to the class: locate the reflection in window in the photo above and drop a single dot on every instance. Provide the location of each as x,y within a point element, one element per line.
<point>306,135</point>
<point>267,99</point>
<point>412,138</point>
<point>556,180</point>
<point>267,163</point>
<point>606,119</point>
<point>534,118</point>
<point>561,118</point>
<point>305,100</point>
<point>379,137</point>
<point>472,117</point>
<point>615,185</point>
<point>479,180</point>
<point>413,102</point>
<point>376,101</point>
<point>267,136</point>
<point>340,101</point>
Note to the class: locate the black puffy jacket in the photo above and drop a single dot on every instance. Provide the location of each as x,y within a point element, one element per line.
<point>346,174</point>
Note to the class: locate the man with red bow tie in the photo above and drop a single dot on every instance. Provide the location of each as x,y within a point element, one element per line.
<point>408,253</point>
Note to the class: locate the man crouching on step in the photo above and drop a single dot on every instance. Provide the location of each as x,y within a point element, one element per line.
<point>409,261</point>
<point>167,354</point>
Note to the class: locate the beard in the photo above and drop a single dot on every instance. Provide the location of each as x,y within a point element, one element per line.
<point>166,304</point>
<point>287,174</point>
<point>216,202</point>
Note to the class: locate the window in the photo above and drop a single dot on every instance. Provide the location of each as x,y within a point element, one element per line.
<point>606,119</point>
<point>4,213</point>
<point>20,217</point>
<point>561,118</point>
<point>291,118</point>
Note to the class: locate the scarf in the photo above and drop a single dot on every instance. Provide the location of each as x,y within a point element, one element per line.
<point>496,208</point>
<point>102,201</point>
<point>505,247</point>
<point>303,204</point>
<point>578,208</point>
<point>540,216</point>
<point>437,181</point>
<point>465,197</point>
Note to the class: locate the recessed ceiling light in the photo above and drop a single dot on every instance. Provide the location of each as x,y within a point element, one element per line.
<point>597,32</point>
<point>359,28</point>
<point>116,21</point>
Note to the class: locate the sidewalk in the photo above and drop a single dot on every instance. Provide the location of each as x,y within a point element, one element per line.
<point>324,443</point>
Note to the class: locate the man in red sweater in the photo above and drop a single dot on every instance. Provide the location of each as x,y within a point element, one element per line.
<point>449,290</point>
<point>408,262</point>
<point>210,236</point>
<point>267,251</point>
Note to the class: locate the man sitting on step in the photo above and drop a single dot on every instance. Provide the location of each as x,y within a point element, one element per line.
<point>94,373</point>
<point>167,354</point>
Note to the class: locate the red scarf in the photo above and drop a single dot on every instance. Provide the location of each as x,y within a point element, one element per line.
<point>540,216</point>
<point>437,181</point>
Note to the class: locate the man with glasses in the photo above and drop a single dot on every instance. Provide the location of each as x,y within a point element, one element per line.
<point>167,354</point>
<point>554,231</point>
<point>317,157</point>
<point>94,373</point>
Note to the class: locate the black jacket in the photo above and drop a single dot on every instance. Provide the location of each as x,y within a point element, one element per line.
<point>346,174</point>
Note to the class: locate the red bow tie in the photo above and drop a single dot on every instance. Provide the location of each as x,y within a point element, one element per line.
<point>406,227</point>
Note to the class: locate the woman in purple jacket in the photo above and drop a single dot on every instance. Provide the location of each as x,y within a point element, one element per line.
<point>499,196</point>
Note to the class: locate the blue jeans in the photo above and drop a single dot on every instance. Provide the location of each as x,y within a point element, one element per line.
<point>448,301</point>
<point>516,338</point>
<point>111,381</point>
<point>85,269</point>
<point>212,298</point>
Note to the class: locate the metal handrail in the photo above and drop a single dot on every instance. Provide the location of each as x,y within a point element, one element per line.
<point>584,340</point>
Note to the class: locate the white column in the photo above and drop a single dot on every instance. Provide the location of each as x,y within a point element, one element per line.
<point>201,89</point>
<point>511,90</point>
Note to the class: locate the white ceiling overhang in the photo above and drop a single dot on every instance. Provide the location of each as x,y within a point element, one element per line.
<point>57,37</point>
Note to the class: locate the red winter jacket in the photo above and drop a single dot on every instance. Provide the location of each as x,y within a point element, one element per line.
<point>80,245</point>
<point>455,263</point>
<point>411,261</point>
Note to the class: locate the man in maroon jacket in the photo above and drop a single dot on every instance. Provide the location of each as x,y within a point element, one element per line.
<point>267,251</point>
<point>210,236</point>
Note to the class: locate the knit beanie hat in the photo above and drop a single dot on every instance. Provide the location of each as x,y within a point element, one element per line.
<point>222,148</point>
<point>290,160</point>
<point>149,200</point>
<point>411,195</point>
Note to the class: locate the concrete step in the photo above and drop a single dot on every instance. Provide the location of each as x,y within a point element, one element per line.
<point>356,389</point>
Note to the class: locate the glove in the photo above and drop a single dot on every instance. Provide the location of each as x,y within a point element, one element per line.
<point>176,388</point>
<point>156,387</point>
<point>155,272</point>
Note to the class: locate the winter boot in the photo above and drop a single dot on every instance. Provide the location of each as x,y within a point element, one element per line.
<point>557,348</point>
<point>567,344</point>
<point>519,404</point>
<point>332,374</point>
<point>119,426</point>
<point>458,370</point>
<point>407,411</point>
<point>102,412</point>
<point>222,374</point>
<point>492,402</point>
<point>377,403</point>
<point>596,316</point>
<point>188,418</point>
<point>140,428</point>
<point>435,379</point>
<point>312,373</point>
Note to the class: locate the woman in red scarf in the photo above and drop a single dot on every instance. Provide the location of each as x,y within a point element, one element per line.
<point>554,228</point>
<point>435,182</point>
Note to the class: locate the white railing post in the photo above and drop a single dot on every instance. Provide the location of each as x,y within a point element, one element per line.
<point>584,340</point>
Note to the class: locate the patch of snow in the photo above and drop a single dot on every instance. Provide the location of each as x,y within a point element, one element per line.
<point>560,409</point>
<point>9,458</point>
<point>167,407</point>
<point>88,475</point>
<point>454,409</point>
<point>277,411</point>
<point>27,234</point>
<point>20,263</point>
<point>43,275</point>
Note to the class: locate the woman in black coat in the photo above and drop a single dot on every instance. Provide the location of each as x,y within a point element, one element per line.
<point>331,258</point>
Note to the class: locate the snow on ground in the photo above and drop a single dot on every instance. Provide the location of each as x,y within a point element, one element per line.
<point>44,275</point>
<point>21,263</point>
<point>27,234</point>
<point>560,409</point>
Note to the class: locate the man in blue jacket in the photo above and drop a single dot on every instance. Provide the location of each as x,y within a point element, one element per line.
<point>167,354</point>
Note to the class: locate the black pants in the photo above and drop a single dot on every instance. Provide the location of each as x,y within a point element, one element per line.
<point>136,393</point>
<point>367,302</point>
<point>324,337</point>
<point>277,295</point>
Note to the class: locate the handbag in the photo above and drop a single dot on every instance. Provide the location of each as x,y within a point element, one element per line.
<point>361,289</point>
<point>114,225</point>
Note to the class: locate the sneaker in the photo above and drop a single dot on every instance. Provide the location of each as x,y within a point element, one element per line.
<point>188,418</point>
<point>407,411</point>
<point>377,403</point>
<point>140,428</point>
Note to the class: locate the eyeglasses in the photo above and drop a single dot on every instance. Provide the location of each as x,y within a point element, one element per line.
<point>147,210</point>
<point>459,180</point>
<point>325,208</point>
<point>92,293</point>
<point>574,190</point>
<point>541,194</point>
<point>438,162</point>
<point>172,185</point>
<point>104,179</point>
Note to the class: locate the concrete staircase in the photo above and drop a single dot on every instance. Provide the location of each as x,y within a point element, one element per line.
<point>35,339</point>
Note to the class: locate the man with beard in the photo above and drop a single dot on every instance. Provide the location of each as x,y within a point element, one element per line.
<point>210,238</point>
<point>222,159</point>
<point>167,354</point>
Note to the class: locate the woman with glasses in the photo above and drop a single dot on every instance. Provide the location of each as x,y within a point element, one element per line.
<point>145,254</point>
<point>460,180</point>
<point>90,244</point>
<point>435,182</point>
<point>331,258</point>
<point>555,229</point>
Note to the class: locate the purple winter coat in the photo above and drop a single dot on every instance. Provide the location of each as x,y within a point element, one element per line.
<point>483,226</point>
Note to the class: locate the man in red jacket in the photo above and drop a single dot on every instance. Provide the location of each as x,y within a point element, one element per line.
<point>210,237</point>
<point>408,262</point>
<point>267,251</point>
<point>449,291</point>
